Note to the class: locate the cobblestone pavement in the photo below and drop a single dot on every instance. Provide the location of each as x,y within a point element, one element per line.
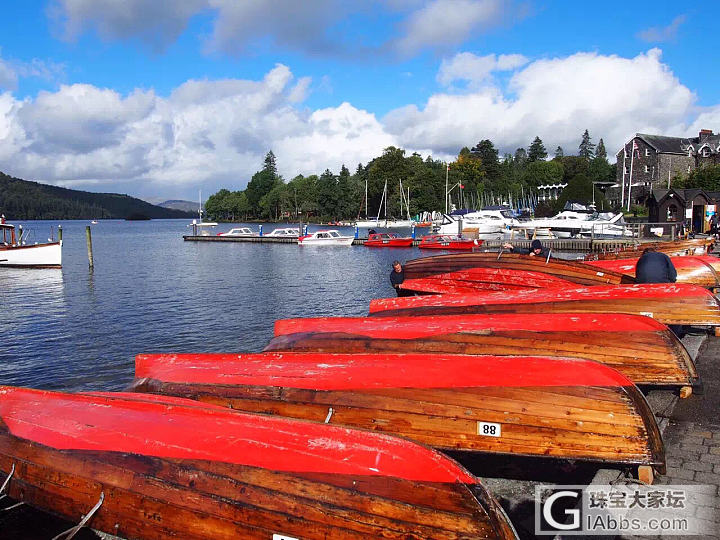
<point>692,440</point>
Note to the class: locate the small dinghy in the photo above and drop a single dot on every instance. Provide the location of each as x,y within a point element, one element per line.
<point>697,270</point>
<point>674,303</point>
<point>160,467</point>
<point>642,349</point>
<point>532,406</point>
<point>573,271</point>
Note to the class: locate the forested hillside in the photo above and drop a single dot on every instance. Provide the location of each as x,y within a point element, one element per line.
<point>21,199</point>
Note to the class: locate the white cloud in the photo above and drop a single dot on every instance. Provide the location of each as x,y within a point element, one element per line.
<point>476,69</point>
<point>443,23</point>
<point>658,34</point>
<point>212,133</point>
<point>556,99</point>
<point>11,71</point>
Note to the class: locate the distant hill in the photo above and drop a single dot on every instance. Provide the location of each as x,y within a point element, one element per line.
<point>186,206</point>
<point>22,199</point>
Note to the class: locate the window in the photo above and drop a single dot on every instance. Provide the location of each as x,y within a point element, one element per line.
<point>690,151</point>
<point>647,153</point>
<point>689,168</point>
<point>627,169</point>
<point>705,152</point>
<point>647,169</point>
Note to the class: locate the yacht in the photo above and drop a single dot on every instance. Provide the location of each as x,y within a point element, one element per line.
<point>579,220</point>
<point>483,222</point>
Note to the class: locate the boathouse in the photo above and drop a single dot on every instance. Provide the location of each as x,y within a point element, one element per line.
<point>648,162</point>
<point>693,207</point>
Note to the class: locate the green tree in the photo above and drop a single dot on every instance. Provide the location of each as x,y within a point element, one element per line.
<point>537,151</point>
<point>539,173</point>
<point>327,195</point>
<point>559,152</point>
<point>707,178</point>
<point>262,183</point>
<point>600,152</point>
<point>580,189</point>
<point>586,150</point>
<point>488,155</point>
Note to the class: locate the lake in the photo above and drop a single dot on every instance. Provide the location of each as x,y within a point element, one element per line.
<point>77,329</point>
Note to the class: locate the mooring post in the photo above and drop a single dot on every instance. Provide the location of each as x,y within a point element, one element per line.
<point>412,231</point>
<point>60,233</point>
<point>261,229</point>
<point>357,232</point>
<point>88,237</point>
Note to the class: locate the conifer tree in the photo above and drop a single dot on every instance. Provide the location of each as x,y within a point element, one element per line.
<point>600,152</point>
<point>586,149</point>
<point>559,152</point>
<point>537,151</point>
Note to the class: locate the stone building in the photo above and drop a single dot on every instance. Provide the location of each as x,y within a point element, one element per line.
<point>648,162</point>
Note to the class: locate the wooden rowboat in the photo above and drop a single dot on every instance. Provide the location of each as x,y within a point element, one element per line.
<point>576,272</point>
<point>642,349</point>
<point>487,279</point>
<point>698,270</point>
<point>533,406</point>
<point>674,303</point>
<point>165,467</point>
<point>694,246</point>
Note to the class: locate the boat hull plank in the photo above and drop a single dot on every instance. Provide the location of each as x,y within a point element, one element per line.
<point>677,303</point>
<point>575,272</point>
<point>66,453</point>
<point>552,407</point>
<point>702,271</point>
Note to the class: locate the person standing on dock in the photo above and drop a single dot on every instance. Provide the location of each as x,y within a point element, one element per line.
<point>654,267</point>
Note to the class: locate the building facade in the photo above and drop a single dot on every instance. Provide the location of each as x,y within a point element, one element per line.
<point>648,162</point>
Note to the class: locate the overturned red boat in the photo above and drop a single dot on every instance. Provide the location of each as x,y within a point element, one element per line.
<point>642,349</point>
<point>166,467</point>
<point>535,406</point>
<point>698,270</point>
<point>483,279</point>
<point>675,303</point>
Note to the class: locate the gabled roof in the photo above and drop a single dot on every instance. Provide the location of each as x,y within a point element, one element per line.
<point>666,145</point>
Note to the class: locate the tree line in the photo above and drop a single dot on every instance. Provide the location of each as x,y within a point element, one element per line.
<point>473,176</point>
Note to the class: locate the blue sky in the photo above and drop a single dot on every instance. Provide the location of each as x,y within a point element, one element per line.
<point>161,99</point>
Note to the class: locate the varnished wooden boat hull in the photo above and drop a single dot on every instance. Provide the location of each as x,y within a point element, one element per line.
<point>647,354</point>
<point>697,270</point>
<point>551,407</point>
<point>696,246</point>
<point>169,468</point>
<point>575,272</point>
<point>488,279</point>
<point>677,303</point>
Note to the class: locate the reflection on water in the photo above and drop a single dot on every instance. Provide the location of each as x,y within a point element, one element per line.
<point>75,329</point>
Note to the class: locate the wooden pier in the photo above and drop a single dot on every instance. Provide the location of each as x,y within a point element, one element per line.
<point>556,244</point>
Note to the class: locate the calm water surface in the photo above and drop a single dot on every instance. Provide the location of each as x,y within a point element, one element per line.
<point>76,329</point>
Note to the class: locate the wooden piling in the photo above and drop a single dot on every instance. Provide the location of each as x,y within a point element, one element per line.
<point>88,237</point>
<point>60,233</point>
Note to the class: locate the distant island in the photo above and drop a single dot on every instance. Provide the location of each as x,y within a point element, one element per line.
<point>22,199</point>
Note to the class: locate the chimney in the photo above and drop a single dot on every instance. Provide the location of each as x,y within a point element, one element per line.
<point>705,133</point>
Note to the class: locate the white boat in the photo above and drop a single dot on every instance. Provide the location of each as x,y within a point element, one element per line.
<point>240,232</point>
<point>284,233</point>
<point>577,220</point>
<point>481,222</point>
<point>325,238</point>
<point>16,252</point>
<point>202,228</point>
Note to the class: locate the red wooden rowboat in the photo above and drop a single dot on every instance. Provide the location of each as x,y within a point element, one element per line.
<point>698,270</point>
<point>676,303</point>
<point>473,280</point>
<point>388,240</point>
<point>642,349</point>
<point>679,248</point>
<point>574,271</point>
<point>445,241</point>
<point>535,406</point>
<point>177,468</point>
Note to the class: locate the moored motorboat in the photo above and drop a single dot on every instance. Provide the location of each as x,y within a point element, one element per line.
<point>325,238</point>
<point>287,232</point>
<point>642,349</point>
<point>674,303</point>
<point>698,270</point>
<point>388,239</point>
<point>240,232</point>
<point>576,272</point>
<point>16,252</point>
<point>533,406</point>
<point>448,242</point>
<point>473,280</point>
<point>165,467</point>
